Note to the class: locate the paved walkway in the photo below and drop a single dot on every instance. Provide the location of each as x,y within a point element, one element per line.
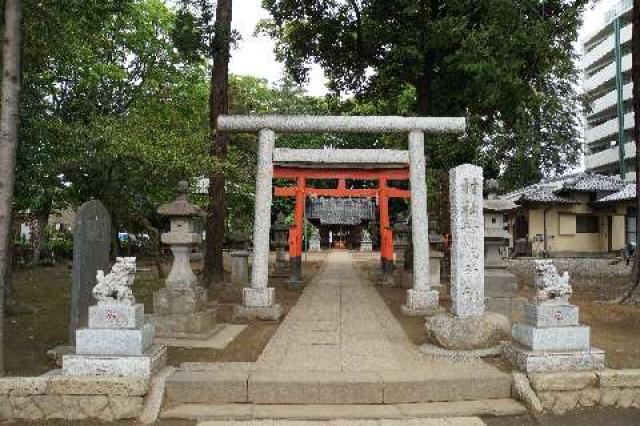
<point>340,323</point>
<point>454,421</point>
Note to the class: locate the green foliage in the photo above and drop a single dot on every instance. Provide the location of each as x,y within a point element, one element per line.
<point>506,65</point>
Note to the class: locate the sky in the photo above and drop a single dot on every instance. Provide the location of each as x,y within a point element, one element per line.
<point>255,56</point>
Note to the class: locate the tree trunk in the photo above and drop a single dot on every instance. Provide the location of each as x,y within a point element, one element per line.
<point>8,143</point>
<point>633,293</point>
<point>218,105</point>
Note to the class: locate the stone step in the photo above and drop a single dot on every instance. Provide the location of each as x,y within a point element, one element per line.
<point>220,386</point>
<point>485,407</point>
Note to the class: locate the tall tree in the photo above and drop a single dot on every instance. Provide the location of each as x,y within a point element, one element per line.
<point>218,105</point>
<point>8,141</point>
<point>500,63</point>
<point>633,293</point>
<point>202,37</point>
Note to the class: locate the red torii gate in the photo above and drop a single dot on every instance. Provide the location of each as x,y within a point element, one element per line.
<point>301,191</point>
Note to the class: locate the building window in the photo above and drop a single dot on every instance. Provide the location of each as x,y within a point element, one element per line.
<point>631,227</point>
<point>586,224</point>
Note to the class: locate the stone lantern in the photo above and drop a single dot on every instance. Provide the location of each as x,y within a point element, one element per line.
<point>281,239</point>
<point>179,309</point>
<point>501,286</point>
<point>401,237</point>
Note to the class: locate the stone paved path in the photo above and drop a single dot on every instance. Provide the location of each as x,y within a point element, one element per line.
<point>340,323</point>
<point>454,421</point>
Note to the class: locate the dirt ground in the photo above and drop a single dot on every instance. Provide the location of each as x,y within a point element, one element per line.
<point>614,328</point>
<point>42,319</point>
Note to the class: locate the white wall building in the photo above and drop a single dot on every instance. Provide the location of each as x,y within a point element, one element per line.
<point>606,64</point>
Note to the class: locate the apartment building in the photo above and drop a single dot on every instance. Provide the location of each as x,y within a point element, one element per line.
<point>606,62</point>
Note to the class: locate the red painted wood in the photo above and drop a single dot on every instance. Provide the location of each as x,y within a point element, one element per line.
<point>386,238</point>
<point>295,243</point>
<point>341,193</point>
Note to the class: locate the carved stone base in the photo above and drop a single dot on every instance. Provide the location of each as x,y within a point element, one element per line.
<point>186,300</point>
<point>145,365</point>
<point>464,356</point>
<point>544,361</point>
<point>258,297</point>
<point>196,325</point>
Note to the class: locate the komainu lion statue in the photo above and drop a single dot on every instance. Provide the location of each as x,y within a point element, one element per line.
<point>116,285</point>
<point>550,286</point>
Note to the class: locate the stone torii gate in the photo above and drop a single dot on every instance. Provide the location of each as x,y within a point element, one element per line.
<point>259,297</point>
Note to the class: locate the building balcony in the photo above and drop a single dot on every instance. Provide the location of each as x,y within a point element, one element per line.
<point>608,156</point>
<point>606,75</point>
<point>610,100</point>
<point>609,128</point>
<point>605,49</point>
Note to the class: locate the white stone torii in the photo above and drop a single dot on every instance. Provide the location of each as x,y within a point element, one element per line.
<point>420,297</point>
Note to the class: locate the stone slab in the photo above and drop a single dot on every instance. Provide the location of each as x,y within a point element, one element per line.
<point>224,334</point>
<point>264,313</point>
<point>315,387</point>
<point>311,414</point>
<point>405,386</point>
<point>541,315</point>
<point>87,385</point>
<point>116,315</point>
<point>184,300</point>
<point>562,381</point>
<point>462,356</point>
<point>547,361</point>
<point>434,310</point>
<point>573,338</point>
<point>114,342</point>
<point>619,378</point>
<point>124,366</point>
<point>173,325</point>
<point>206,387</point>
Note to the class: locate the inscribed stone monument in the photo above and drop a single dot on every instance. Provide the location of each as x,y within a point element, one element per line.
<point>91,244</point>
<point>469,329</point>
<point>551,337</point>
<point>117,341</point>
<point>467,238</point>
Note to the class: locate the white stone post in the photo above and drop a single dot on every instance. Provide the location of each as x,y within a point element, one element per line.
<point>259,295</point>
<point>421,298</point>
<point>467,241</point>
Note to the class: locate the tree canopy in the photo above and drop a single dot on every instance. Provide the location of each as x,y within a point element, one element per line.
<point>506,65</point>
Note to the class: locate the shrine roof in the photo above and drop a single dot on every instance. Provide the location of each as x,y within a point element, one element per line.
<point>343,158</point>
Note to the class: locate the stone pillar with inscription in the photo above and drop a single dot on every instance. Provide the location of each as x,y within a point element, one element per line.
<point>469,328</point>
<point>280,236</point>
<point>91,246</point>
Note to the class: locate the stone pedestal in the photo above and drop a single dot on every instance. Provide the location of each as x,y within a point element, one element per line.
<point>282,261</point>
<point>240,267</point>
<point>435,264</point>
<point>552,339</point>
<point>366,246</point>
<point>117,342</point>
<point>258,303</point>
<point>501,293</point>
<point>421,303</point>
<point>182,313</point>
